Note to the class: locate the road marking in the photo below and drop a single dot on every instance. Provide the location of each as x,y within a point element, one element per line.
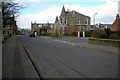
<point>65,42</point>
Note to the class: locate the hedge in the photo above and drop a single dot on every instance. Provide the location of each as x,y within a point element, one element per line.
<point>99,34</point>
<point>87,33</point>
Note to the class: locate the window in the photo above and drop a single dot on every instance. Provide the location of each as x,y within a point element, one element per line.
<point>78,21</point>
<point>65,21</point>
<point>65,29</point>
<point>86,22</point>
<point>61,20</point>
<point>82,28</point>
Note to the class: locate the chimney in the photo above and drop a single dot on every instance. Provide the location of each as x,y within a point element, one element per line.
<point>73,13</point>
<point>68,10</point>
<point>117,17</point>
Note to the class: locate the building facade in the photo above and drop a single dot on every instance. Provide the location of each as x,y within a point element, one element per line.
<point>42,28</point>
<point>70,22</point>
<point>10,26</point>
<point>66,24</point>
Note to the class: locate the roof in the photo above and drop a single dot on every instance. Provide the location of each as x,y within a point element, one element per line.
<point>106,25</point>
<point>63,13</point>
<point>43,23</point>
<point>71,14</point>
<point>116,24</point>
<point>56,20</point>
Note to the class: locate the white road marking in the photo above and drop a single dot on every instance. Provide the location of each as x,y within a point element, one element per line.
<point>65,42</point>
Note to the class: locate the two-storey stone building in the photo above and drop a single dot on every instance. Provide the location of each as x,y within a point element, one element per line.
<point>70,22</point>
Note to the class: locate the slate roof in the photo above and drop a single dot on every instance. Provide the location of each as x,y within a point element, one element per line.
<point>56,19</point>
<point>71,14</point>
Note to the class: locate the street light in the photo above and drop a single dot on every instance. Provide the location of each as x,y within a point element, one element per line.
<point>94,20</point>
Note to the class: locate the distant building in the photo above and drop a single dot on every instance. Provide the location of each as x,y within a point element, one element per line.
<point>43,28</point>
<point>67,23</point>
<point>56,26</point>
<point>103,26</point>
<point>100,26</point>
<point>71,21</point>
<point>116,24</point>
<point>10,26</point>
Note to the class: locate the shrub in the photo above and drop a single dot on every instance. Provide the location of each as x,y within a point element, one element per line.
<point>114,36</point>
<point>75,33</point>
<point>117,32</point>
<point>108,31</point>
<point>99,34</point>
<point>88,33</point>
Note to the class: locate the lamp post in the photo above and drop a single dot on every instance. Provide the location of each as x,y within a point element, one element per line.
<point>94,20</point>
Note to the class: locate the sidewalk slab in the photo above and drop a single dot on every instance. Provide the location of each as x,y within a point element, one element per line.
<point>16,64</point>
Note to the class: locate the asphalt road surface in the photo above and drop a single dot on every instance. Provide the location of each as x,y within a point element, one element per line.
<point>58,60</point>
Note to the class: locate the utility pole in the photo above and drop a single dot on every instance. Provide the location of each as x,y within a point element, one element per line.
<point>94,20</point>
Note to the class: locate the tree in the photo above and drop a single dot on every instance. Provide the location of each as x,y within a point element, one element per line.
<point>9,8</point>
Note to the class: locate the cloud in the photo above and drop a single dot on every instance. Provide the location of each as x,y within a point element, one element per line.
<point>105,14</point>
<point>24,20</point>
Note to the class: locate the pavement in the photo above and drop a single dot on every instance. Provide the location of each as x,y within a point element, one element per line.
<point>84,43</point>
<point>15,61</point>
<point>0,59</point>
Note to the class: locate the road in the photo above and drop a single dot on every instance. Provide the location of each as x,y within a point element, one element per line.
<point>58,60</point>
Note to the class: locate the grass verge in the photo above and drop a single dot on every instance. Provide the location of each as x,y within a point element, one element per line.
<point>110,43</point>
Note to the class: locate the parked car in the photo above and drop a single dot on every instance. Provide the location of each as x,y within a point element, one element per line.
<point>32,35</point>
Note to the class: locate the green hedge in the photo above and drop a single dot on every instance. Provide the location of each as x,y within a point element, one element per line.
<point>87,33</point>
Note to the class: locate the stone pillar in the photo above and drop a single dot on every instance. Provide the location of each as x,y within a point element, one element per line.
<point>78,33</point>
<point>83,33</point>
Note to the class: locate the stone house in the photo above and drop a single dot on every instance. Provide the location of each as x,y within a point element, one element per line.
<point>34,27</point>
<point>42,28</point>
<point>70,22</point>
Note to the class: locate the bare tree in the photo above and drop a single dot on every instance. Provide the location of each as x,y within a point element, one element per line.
<point>10,8</point>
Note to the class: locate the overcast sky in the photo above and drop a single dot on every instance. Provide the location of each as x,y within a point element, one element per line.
<point>42,11</point>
